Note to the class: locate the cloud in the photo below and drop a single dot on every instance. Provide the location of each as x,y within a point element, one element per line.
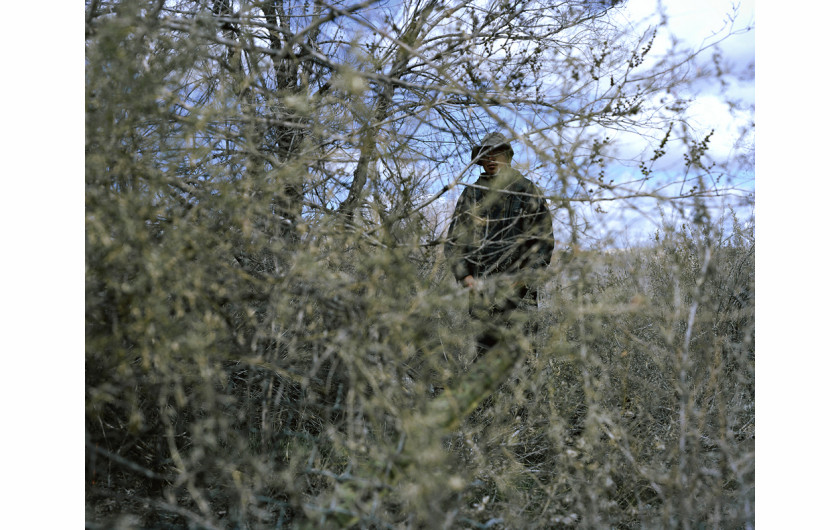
<point>721,102</point>
<point>697,24</point>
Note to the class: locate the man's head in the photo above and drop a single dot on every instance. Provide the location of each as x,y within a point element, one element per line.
<point>494,153</point>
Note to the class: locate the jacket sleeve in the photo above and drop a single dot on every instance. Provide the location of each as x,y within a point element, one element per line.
<point>457,246</point>
<point>539,231</point>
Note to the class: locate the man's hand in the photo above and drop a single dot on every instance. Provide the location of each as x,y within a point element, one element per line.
<point>469,282</point>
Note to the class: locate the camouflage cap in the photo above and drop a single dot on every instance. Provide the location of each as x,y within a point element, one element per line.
<point>492,142</point>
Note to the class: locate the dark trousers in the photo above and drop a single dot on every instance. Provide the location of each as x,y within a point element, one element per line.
<point>499,311</point>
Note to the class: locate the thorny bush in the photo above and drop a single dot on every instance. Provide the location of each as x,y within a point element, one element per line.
<point>274,339</point>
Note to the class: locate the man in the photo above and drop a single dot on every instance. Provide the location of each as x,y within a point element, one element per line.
<point>500,237</point>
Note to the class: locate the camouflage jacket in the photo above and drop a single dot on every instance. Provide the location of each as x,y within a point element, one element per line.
<point>501,224</point>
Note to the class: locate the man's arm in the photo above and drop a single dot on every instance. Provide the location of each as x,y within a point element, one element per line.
<point>457,245</point>
<point>539,230</point>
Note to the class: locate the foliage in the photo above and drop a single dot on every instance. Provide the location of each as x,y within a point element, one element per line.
<point>272,334</point>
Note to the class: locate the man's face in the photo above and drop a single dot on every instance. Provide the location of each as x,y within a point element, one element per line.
<point>494,161</point>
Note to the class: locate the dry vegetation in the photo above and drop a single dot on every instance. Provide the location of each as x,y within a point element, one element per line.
<point>632,406</point>
<point>270,346</point>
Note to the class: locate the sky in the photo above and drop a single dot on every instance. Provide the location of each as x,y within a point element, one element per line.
<point>729,112</point>
<point>700,24</point>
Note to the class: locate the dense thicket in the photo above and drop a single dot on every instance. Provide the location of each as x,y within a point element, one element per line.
<point>273,338</point>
